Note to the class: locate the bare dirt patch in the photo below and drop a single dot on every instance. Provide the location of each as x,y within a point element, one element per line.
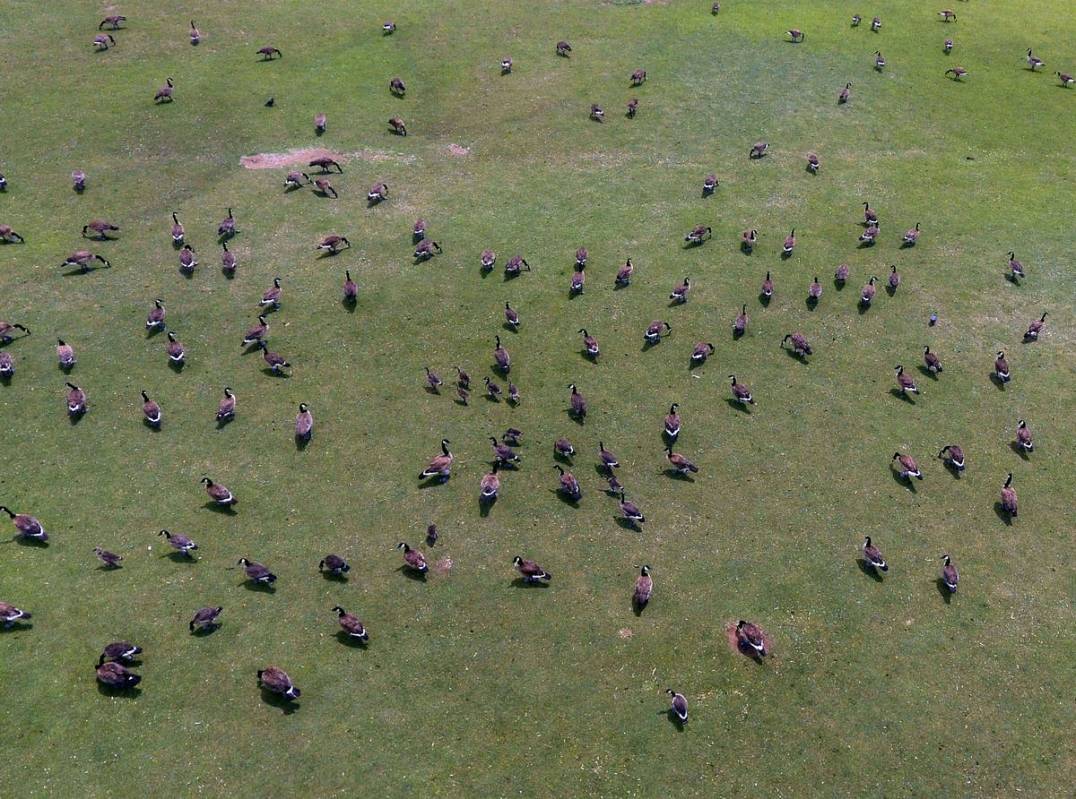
<point>459,150</point>
<point>443,566</point>
<point>625,632</point>
<point>302,157</point>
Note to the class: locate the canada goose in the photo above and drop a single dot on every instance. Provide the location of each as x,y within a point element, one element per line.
<point>325,164</point>
<point>7,365</point>
<point>513,437</point>
<point>256,572</point>
<point>876,24</point>
<point>867,294</point>
<point>845,95</point>
<point>487,259</point>
<point>870,235</point>
<point>268,53</point>
<point>947,46</point>
<point>767,287</point>
<point>814,291</point>
<point>276,680</point>
<point>1035,328</point>
<point>321,123</point>
<point>578,403</point>
<point>1033,62</point>
<point>653,332</point>
<point>463,379</point>
<point>226,406</point>
<point>879,59</point>
<point>110,559</point>
<point>441,465</point>
<point>103,41</point>
<point>709,183</point>
<point>672,422</point>
<point>205,619</point>
<point>933,362</point>
<point>506,65</point>
<point>630,510</point>
<point>957,72</point>
<point>351,289</point>
<point>947,15</point>
<point>151,411</point>
<point>905,382</point>
<point>271,296</point>
<point>680,463</point>
<point>511,318</point>
<point>397,87</point>
<point>608,459</point>
<point>304,423</point>
<point>83,259</point>
<point>76,400</point>
<point>840,275</point>
<point>176,353</point>
<point>113,21</point>
<point>644,589</point>
<point>870,217</point>
<point>9,614</point>
<point>569,485</point>
<point>493,391</point>
<point>8,235</point>
<point>3,182</point>
<point>426,249</point>
<point>954,456</point>
<point>333,243</point>
<point>78,179</point>
<point>702,351</point>
<point>274,360</point>
<point>515,265</point>
<point>615,486</point>
<point>624,273</point>
<point>226,228</point>
<point>502,453</point>
<point>758,149</point>
<point>501,357</point>
<point>433,381</point>
<point>1066,79</point>
<point>116,675</point>
<point>323,187</point>
<point>679,292</point>
<point>413,559</point>
<point>351,625</point>
<point>100,227</point>
<point>531,571</point>
<point>597,113</point>
<point>187,258</point>
<point>741,393</point>
<point>906,466</point>
<point>563,48</point>
<point>123,651</point>
<point>796,35</point>
<point>638,77</point>
<point>195,34</point>
<point>218,493</point>
<point>698,234</point>
<point>431,534</point>
<point>1008,497</point>
<point>563,448</point>
<point>398,126</point>
<point>1016,269</point>
<point>739,324</point>
<point>7,327</point>
<point>155,317</point>
<point>334,565</point>
<point>911,237</point>
<point>751,634</point>
<point>579,278</point>
<point>678,705</point>
<point>873,556</point>
<point>1023,437</point>
<point>1001,368</point>
<point>949,575</point>
<point>800,346</point>
<point>513,393</point>
<point>715,9</point>
<point>164,94</point>
<point>294,180</point>
<point>180,543</point>
<point>633,108</point>
<point>813,163</point>
<point>26,526</point>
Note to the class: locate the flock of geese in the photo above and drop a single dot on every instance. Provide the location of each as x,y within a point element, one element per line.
<point>113,668</point>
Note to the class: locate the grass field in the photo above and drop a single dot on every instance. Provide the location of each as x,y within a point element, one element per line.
<point>472,685</point>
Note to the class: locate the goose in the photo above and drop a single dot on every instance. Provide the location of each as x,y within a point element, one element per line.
<point>1033,62</point>
<point>304,423</point>
<point>653,332</point>
<point>487,259</point>
<point>257,332</point>
<point>590,344</point>
<point>1001,368</point>
<point>9,614</point>
<point>905,382</point>
<point>949,575</point>
<point>867,294</point>
<point>110,559</point>
<point>630,510</point>
<point>351,289</point>
<point>502,453</point>
<point>277,681</point>
<point>501,357</point>
<point>151,411</point>
<point>334,565</point>
<point>739,325</point>
<point>116,675</point>
<point>907,467</point>
<point>873,556</point>
<point>845,95</point>
<point>218,493</point>
<point>226,406</point>
<point>702,351</point>
<point>624,273</point>
<point>751,634</point>
<point>351,625</point>
<point>911,236</point>
<point>271,296</point>
<point>1035,328</point>
<point>741,393</point>
<point>800,346</point>
<point>26,526</point>
<point>954,456</point>
<point>65,354</point>
<point>490,484</point>
<point>205,619</point>
<point>155,317</point>
<point>679,293</point>
<point>1008,498</point>
<point>441,465</point>
<point>274,360</point>
<point>176,353</point>
<point>511,318</point>
<point>578,402</point>
<point>680,463</point>
<point>256,572</point>
<point>76,400</point>
<point>413,559</point>
<point>608,459</point>
<point>563,448</point>
<point>569,485</point>
<point>123,651</point>
<point>678,705</point>
<point>531,571</point>
<point>672,422</point>
<point>644,589</point>
<point>180,543</point>
<point>932,361</point>
<point>1023,437</point>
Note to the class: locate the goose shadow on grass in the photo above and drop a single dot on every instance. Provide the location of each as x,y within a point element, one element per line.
<point>811,303</point>
<point>946,594</point>
<point>864,307</point>
<point>226,510</point>
<point>794,356</point>
<point>259,588</point>
<point>176,366</point>
<point>16,626</point>
<point>868,570</point>
<point>270,372</point>
<point>1003,514</point>
<point>579,420</point>
<point>205,630</point>
<point>739,406</point>
<point>627,524</point>
<point>567,500</point>
<point>280,702</point>
<point>334,577</point>
<point>179,557</point>
<point>411,574</point>
<point>902,395</point>
<point>33,543</point>
<point>432,482</point>
<point>350,641</point>
<point>485,506</point>
<point>1015,447</point>
<point>121,693</point>
<point>997,381</point>
<point>955,472</point>
<point>521,582</point>
<point>75,418</point>
<point>925,372</point>
<point>302,442</point>
<point>674,720</point>
<point>676,474</point>
<point>904,483</point>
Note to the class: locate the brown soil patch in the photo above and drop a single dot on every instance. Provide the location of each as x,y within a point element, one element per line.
<point>302,157</point>
<point>459,149</point>
<point>625,632</point>
<point>443,566</point>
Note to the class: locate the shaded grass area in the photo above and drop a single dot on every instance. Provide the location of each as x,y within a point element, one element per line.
<point>470,685</point>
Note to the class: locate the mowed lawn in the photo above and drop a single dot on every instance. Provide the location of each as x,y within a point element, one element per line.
<point>472,685</point>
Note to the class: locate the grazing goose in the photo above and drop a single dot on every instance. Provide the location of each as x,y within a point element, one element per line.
<point>398,126</point>
<point>873,556</point>
<point>487,260</point>
<point>569,485</point>
<point>563,49</point>
<point>748,239</point>
<point>644,589</point>
<point>110,559</point>
<point>680,463</point>
<point>218,493</point>
<point>1008,498</point>
<point>441,465</point>
<point>531,571</point>
<point>678,705</point>
<point>698,234</point>
<point>351,625</point>
<point>113,21</point>
<point>758,149</point>
<point>949,575</point>
<point>9,614</point>
<point>180,543</point>
<point>638,77</point>
<point>268,53</point>
<point>256,572</point>
<point>597,113</point>
<point>378,192</point>
<point>334,565</point>
<point>116,675</point>
<point>502,453</point>
<point>845,94</point>
<point>751,635</point>
<point>433,381</point>
<point>954,456</point>
<point>333,243</point>
<point>164,94</point>
<point>413,559</point>
<point>800,346</point>
<point>351,289</point>
<point>205,619</point>
<point>7,327</point>
<point>957,72</point>
<point>947,47</point>
<point>515,265</point>
<point>123,651</point>
<point>65,354</point>
<point>795,35</point>
<point>26,526</point>
<point>426,249</point>
<point>563,448</point>
<point>83,259</point>
<point>702,351</point>
<point>1035,328</point>
<point>679,293</point>
<point>906,466</point>
<point>630,510</point>
<point>277,681</point>
<point>654,330</point>
<point>870,235</point>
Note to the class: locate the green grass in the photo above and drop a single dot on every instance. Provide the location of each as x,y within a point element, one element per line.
<point>471,686</point>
